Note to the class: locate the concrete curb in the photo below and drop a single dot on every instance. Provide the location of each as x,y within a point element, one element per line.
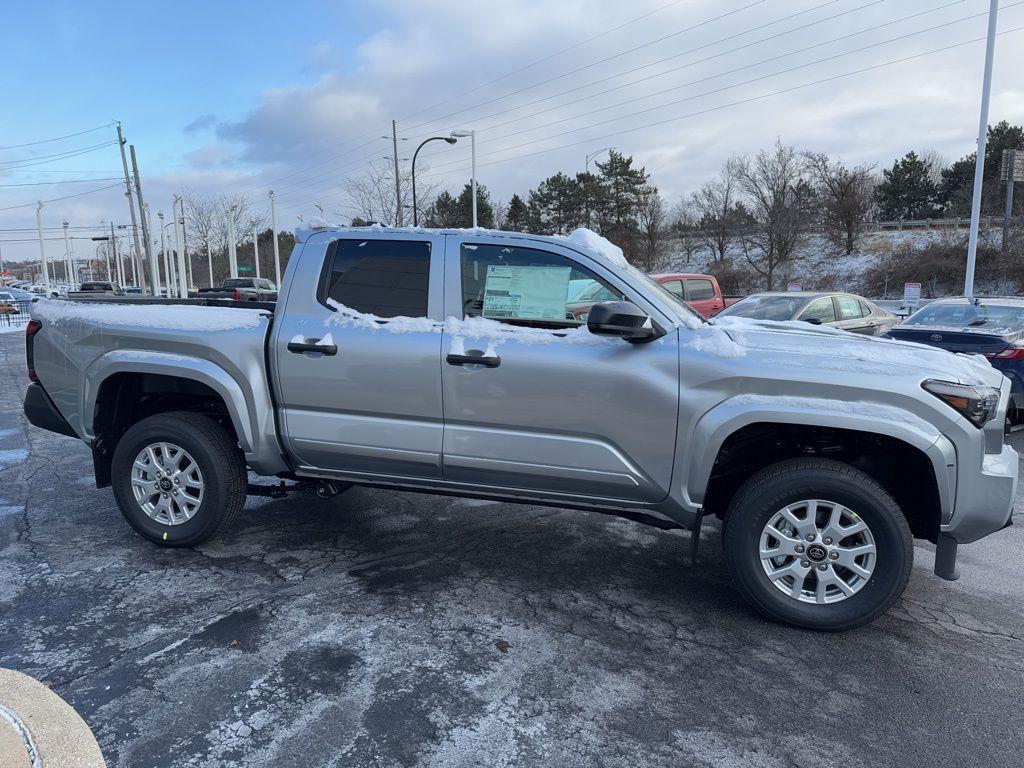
<point>38,729</point>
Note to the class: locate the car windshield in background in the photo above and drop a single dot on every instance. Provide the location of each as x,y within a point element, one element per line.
<point>765,307</point>
<point>986,316</point>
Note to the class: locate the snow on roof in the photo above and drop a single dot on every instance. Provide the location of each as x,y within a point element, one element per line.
<point>178,317</point>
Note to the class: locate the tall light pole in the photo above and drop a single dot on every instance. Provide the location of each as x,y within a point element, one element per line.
<point>179,226</point>
<point>209,259</point>
<point>415,210</point>
<point>163,250</point>
<point>232,254</point>
<point>67,257</point>
<point>42,246</point>
<point>273,232</point>
<point>398,191</point>
<point>154,267</point>
<point>255,246</point>
<point>472,139</point>
<point>979,165</point>
<point>592,155</point>
<point>118,266</point>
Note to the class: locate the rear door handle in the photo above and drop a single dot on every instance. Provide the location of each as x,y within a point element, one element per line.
<point>487,362</point>
<point>300,346</point>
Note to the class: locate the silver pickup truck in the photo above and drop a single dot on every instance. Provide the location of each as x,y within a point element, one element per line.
<point>451,362</point>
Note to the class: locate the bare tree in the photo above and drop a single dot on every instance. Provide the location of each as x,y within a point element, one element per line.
<point>686,228</point>
<point>715,206</point>
<point>780,200</point>
<point>206,223</point>
<point>847,196</point>
<point>652,222</point>
<point>372,195</point>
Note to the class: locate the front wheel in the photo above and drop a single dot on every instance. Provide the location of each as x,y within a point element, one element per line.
<point>818,544</point>
<point>178,477</point>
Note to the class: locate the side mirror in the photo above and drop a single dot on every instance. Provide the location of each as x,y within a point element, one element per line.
<point>812,320</point>
<point>620,318</point>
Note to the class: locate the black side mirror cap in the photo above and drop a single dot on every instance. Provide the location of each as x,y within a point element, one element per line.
<point>620,318</point>
<point>812,320</point>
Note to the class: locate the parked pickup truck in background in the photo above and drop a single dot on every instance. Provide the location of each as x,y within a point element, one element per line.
<point>449,361</point>
<point>702,292</point>
<point>242,289</point>
<point>96,288</point>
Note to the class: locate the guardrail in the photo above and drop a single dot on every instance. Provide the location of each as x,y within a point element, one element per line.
<point>14,312</point>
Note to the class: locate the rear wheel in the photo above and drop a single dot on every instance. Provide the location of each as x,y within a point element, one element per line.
<point>178,477</point>
<point>818,544</point>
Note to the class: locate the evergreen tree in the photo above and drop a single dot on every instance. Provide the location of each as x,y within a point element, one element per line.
<point>907,190</point>
<point>517,218</point>
<point>957,185</point>
<point>556,206</point>
<point>443,213</point>
<point>623,190</point>
<point>484,209</point>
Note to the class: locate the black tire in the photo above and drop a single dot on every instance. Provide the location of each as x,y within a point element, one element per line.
<point>789,482</point>
<point>219,459</point>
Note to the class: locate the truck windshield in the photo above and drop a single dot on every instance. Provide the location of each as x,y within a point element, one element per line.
<point>683,309</point>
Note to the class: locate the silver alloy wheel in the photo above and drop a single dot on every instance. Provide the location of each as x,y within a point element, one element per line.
<point>167,483</point>
<point>817,551</point>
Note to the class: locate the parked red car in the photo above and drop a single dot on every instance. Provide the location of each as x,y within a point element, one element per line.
<point>702,292</point>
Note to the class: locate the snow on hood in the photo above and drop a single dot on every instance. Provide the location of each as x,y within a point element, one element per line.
<point>177,317</point>
<point>837,350</point>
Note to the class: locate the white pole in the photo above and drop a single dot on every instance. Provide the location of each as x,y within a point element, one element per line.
<point>163,250</point>
<point>979,165</point>
<point>42,246</point>
<point>67,257</point>
<point>180,222</point>
<point>255,248</point>
<point>232,254</point>
<point>273,232</point>
<point>106,256</point>
<point>472,141</point>
<point>209,259</point>
<point>154,267</point>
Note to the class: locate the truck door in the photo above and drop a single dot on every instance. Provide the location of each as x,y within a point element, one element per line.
<point>358,395</point>
<point>550,408</point>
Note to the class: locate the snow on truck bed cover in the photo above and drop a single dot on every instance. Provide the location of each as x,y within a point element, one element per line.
<point>177,317</point>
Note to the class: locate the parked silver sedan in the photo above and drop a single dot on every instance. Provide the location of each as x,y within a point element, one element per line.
<point>841,310</point>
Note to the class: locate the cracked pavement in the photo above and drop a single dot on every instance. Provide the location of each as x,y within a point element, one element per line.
<point>365,631</point>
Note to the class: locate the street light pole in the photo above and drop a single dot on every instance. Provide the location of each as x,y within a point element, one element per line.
<point>273,232</point>
<point>232,254</point>
<point>979,165</point>
<point>67,258</point>
<point>163,250</point>
<point>472,140</point>
<point>255,247</point>
<point>415,210</point>
<point>180,222</point>
<point>42,246</point>
<point>154,265</point>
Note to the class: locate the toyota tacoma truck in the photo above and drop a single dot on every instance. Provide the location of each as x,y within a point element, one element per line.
<point>448,361</point>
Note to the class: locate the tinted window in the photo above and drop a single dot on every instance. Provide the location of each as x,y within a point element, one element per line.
<point>699,290</point>
<point>765,307</point>
<point>820,309</point>
<point>387,278</point>
<point>988,316</point>
<point>238,282</point>
<point>97,286</point>
<point>866,308</point>
<point>675,287</point>
<point>526,286</point>
<point>849,308</point>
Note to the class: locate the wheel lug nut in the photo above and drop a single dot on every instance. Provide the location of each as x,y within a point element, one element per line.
<point>810,537</point>
<point>822,567</point>
<point>833,555</point>
<point>805,563</point>
<point>799,548</point>
<point>827,540</point>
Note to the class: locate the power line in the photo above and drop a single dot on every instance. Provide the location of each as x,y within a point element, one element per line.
<point>58,138</point>
<point>759,97</point>
<point>716,90</point>
<point>25,163</point>
<point>57,199</point>
<point>64,181</point>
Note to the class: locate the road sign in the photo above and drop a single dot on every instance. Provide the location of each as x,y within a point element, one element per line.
<point>1012,168</point>
<point>911,295</point>
<point>794,287</point>
<point>245,269</point>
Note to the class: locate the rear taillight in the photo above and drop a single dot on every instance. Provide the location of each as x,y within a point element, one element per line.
<point>238,295</point>
<point>1010,353</point>
<point>31,330</point>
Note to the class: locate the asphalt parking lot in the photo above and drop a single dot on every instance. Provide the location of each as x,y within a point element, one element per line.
<point>392,629</point>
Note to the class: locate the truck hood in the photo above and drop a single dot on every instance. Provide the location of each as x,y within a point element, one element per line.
<point>830,349</point>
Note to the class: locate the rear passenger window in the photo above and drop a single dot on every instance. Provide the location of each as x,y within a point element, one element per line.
<point>675,287</point>
<point>849,308</point>
<point>699,290</point>
<point>526,286</point>
<point>387,278</point>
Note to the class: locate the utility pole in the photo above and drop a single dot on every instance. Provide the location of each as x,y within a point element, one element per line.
<point>163,250</point>
<point>67,257</point>
<point>128,189</point>
<point>154,270</point>
<point>154,266</point>
<point>182,247</point>
<point>232,254</point>
<point>118,266</point>
<point>398,191</point>
<point>42,246</point>
<point>277,249</point>
<point>979,165</point>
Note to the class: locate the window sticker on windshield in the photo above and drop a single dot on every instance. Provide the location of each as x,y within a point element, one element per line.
<point>525,293</point>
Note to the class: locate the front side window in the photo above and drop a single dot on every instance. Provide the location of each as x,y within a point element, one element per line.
<point>820,309</point>
<point>527,286</point>
<point>699,290</point>
<point>675,287</point>
<point>387,278</point>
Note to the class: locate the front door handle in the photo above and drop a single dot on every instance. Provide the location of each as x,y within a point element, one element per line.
<point>478,359</point>
<point>301,346</point>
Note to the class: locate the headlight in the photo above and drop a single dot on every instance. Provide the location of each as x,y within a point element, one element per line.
<point>976,403</point>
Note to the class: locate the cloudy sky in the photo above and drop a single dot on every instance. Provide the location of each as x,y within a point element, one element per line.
<point>222,97</point>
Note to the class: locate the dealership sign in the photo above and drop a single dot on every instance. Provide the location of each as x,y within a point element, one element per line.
<point>911,295</point>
